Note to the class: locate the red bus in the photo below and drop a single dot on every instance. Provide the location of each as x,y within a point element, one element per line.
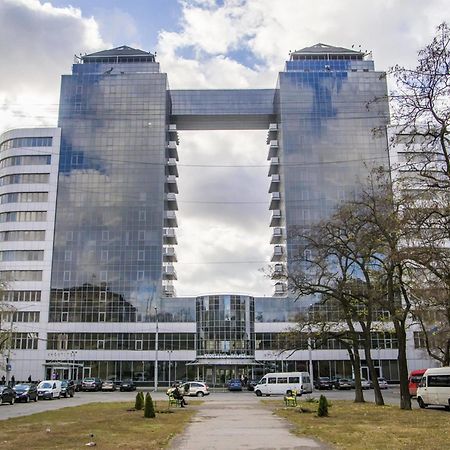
<point>414,380</point>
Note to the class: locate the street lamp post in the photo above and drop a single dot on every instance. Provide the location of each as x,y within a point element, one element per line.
<point>170,363</point>
<point>156,350</point>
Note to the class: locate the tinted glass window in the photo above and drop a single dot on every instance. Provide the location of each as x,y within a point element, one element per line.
<point>272,380</point>
<point>294,379</point>
<point>282,380</point>
<point>439,381</point>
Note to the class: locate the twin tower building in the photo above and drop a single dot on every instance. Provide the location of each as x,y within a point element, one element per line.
<point>88,218</point>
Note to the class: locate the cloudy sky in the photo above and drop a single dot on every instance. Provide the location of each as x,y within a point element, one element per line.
<point>223,215</point>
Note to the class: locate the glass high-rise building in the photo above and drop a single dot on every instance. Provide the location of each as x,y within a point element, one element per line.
<point>95,201</point>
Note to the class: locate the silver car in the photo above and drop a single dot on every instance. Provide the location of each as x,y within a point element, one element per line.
<point>195,389</point>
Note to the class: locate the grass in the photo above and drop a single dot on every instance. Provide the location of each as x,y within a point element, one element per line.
<point>370,427</point>
<point>112,425</point>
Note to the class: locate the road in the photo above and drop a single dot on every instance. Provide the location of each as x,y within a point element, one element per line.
<point>391,396</point>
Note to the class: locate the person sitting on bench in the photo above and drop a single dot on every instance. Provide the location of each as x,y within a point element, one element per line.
<point>179,396</point>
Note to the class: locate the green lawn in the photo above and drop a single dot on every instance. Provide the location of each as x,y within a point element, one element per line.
<point>112,425</point>
<point>370,427</point>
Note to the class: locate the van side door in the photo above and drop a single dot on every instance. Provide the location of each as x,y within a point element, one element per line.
<point>271,385</point>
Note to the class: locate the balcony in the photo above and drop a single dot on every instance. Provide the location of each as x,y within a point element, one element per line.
<point>274,166</point>
<point>272,131</point>
<point>273,127</point>
<point>277,236</point>
<point>169,273</point>
<point>170,202</point>
<point>171,184</point>
<point>172,130</point>
<point>275,201</point>
<point>170,219</point>
<point>280,289</point>
<point>275,221</point>
<point>278,253</point>
<point>171,167</point>
<point>169,237</point>
<point>171,150</point>
<point>273,152</point>
<point>274,184</point>
<point>169,254</point>
<point>168,290</point>
<point>278,271</point>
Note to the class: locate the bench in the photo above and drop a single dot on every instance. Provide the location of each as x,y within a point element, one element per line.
<point>291,399</point>
<point>174,401</point>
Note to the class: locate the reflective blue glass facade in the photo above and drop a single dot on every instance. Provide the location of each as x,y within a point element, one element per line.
<point>107,261</point>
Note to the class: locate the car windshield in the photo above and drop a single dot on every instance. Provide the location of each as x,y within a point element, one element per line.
<point>64,383</point>
<point>45,385</point>
<point>89,380</point>
<point>21,387</point>
<point>324,379</point>
<point>2,388</point>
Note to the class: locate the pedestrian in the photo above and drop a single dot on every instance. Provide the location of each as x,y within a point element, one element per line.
<point>3,379</point>
<point>29,379</point>
<point>13,380</point>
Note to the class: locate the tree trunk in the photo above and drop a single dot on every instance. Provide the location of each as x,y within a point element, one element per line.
<point>359,395</point>
<point>405,398</point>
<point>372,372</point>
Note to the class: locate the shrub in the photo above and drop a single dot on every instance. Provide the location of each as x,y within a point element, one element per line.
<point>149,410</point>
<point>323,407</point>
<point>139,404</point>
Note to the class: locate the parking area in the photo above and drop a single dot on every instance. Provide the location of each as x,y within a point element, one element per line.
<point>391,396</point>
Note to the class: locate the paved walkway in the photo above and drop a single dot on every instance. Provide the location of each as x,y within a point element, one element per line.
<point>239,425</point>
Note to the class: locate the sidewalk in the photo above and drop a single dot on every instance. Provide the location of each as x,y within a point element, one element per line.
<point>239,425</point>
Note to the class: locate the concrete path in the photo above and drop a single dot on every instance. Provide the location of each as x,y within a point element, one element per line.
<point>230,425</point>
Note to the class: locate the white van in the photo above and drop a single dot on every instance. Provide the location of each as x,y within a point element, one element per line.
<point>284,383</point>
<point>434,388</point>
<point>49,389</point>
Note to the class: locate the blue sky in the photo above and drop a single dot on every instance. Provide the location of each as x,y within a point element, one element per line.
<point>202,44</point>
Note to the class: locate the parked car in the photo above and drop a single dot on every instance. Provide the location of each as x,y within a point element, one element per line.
<point>195,389</point>
<point>323,383</point>
<point>127,385</point>
<point>343,383</point>
<point>67,388</point>
<point>26,392</point>
<point>7,395</point>
<point>91,384</point>
<point>414,379</point>
<point>78,385</point>
<point>109,385</point>
<point>251,384</point>
<point>365,384</point>
<point>49,389</point>
<point>234,384</point>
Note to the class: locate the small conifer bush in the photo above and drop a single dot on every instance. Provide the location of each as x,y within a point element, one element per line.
<point>323,407</point>
<point>149,410</point>
<point>139,404</point>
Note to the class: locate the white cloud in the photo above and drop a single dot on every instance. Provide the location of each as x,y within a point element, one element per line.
<point>38,42</point>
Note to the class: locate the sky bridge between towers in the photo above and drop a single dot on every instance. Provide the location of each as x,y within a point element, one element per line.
<point>223,109</point>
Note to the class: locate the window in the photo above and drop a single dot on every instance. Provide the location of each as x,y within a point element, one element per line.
<point>141,255</point>
<point>104,275</point>
<point>102,316</point>
<point>26,142</point>
<point>140,275</point>
<point>282,380</point>
<point>293,380</point>
<point>66,296</point>
<point>103,296</point>
<point>21,275</point>
<point>68,255</point>
<point>104,255</point>
<point>105,235</point>
<point>272,380</point>
<point>64,316</point>
<point>438,380</point>
<point>66,275</point>
<point>138,345</point>
<point>22,235</point>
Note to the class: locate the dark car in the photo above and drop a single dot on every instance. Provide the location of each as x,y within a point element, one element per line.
<point>91,384</point>
<point>343,383</point>
<point>235,384</point>
<point>7,395</point>
<point>26,392</point>
<point>251,385</point>
<point>127,385</point>
<point>323,383</point>
<point>67,388</point>
<point>78,385</point>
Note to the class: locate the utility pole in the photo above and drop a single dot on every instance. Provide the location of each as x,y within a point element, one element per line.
<point>156,350</point>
